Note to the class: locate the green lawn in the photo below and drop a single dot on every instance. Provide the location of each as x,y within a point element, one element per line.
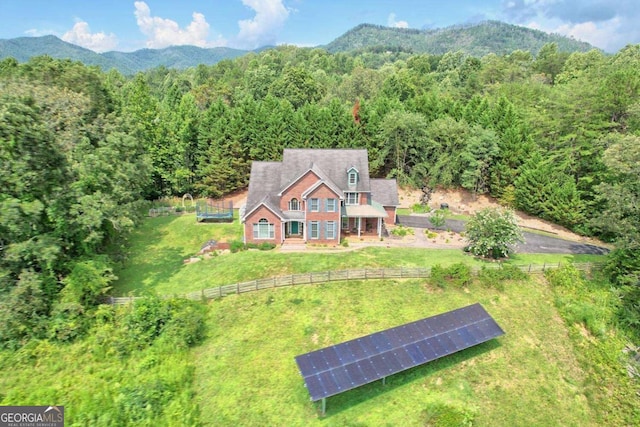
<point>545,371</point>
<point>246,373</point>
<point>158,248</point>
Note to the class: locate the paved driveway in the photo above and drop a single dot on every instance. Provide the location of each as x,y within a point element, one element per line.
<point>534,243</point>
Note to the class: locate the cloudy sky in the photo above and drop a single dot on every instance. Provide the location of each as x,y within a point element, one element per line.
<point>126,25</point>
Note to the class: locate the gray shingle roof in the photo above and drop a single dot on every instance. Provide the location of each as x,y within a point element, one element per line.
<point>385,192</point>
<point>268,179</point>
<point>264,185</point>
<point>333,162</point>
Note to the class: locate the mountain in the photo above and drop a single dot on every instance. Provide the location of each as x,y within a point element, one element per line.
<point>476,40</point>
<point>23,48</point>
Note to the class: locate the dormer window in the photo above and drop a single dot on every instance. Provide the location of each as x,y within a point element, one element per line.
<point>353,177</point>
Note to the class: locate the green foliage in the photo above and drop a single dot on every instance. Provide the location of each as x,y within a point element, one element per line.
<point>477,40</point>
<point>444,415</point>
<point>437,218</point>
<point>458,274</point>
<point>401,231</point>
<point>237,246</point>
<point>420,208</point>
<point>87,283</point>
<point>495,277</point>
<point>492,233</point>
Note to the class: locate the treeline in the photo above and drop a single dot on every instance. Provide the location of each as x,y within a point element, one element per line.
<point>556,136</point>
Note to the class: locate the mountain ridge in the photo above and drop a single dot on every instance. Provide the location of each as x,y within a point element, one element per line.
<point>472,39</point>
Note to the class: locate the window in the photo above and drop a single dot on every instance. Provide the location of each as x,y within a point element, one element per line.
<point>330,231</point>
<point>352,198</point>
<point>294,205</point>
<point>263,230</point>
<point>314,229</point>
<point>353,177</point>
<point>331,205</point>
<point>314,205</point>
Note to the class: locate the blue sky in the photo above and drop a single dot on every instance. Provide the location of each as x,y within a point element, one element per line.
<point>126,25</point>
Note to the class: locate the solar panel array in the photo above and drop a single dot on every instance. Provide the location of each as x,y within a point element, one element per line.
<point>333,370</point>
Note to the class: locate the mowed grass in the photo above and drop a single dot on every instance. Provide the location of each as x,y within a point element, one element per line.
<point>245,370</point>
<point>159,247</point>
<point>246,373</point>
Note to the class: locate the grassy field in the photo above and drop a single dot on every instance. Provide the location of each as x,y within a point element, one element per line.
<point>246,373</point>
<point>560,362</point>
<point>158,248</point>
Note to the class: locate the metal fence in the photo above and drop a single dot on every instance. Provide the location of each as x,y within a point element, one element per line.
<point>339,276</point>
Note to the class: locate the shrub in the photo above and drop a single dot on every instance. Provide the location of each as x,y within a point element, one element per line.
<point>494,277</point>
<point>420,208</point>
<point>431,234</point>
<point>401,231</point>
<point>492,233</point>
<point>236,246</point>
<point>437,219</point>
<point>458,274</point>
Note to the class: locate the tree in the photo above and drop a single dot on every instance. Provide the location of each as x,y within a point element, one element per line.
<point>492,233</point>
<point>405,136</point>
<point>478,158</point>
<point>620,218</point>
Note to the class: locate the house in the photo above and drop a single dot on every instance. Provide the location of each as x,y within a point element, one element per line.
<point>317,196</point>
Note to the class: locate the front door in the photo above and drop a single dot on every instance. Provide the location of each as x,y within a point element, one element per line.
<point>293,228</point>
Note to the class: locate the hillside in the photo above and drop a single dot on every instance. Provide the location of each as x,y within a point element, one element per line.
<point>476,40</point>
<point>24,48</point>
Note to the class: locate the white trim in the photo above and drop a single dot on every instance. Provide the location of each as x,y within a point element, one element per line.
<point>346,198</point>
<point>298,179</point>
<point>317,185</point>
<point>244,219</point>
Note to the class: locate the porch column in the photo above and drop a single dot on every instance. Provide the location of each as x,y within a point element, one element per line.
<point>379,227</point>
<point>359,225</point>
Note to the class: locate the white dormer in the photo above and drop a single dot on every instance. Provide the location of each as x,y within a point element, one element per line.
<point>352,177</point>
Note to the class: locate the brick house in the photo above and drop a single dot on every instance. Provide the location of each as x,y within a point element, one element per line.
<point>317,196</point>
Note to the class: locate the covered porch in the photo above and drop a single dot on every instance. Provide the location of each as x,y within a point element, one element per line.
<point>363,220</point>
<point>293,225</point>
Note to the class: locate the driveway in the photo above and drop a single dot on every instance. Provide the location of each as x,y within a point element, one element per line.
<point>534,243</point>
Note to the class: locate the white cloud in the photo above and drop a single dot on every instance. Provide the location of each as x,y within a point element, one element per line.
<point>163,32</point>
<point>607,35</point>
<point>603,23</point>
<point>263,28</point>
<point>81,35</point>
<point>391,22</point>
<point>34,32</point>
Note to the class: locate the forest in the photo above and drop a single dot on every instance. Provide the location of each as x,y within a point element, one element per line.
<point>556,135</point>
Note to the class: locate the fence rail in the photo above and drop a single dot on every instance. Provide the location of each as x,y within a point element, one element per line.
<point>338,276</point>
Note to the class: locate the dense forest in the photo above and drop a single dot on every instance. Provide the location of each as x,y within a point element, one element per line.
<point>556,135</point>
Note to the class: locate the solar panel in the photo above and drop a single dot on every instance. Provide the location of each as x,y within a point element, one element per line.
<point>345,366</point>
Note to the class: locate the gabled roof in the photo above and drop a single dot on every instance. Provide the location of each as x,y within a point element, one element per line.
<point>321,182</point>
<point>333,163</point>
<point>270,179</point>
<point>385,192</point>
<point>263,187</point>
